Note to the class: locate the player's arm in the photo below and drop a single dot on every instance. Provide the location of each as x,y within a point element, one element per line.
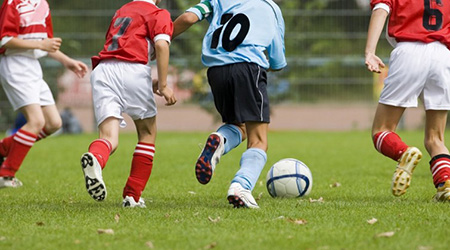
<point>184,22</point>
<point>78,67</point>
<point>376,25</point>
<point>162,63</point>
<point>48,44</point>
<point>191,16</point>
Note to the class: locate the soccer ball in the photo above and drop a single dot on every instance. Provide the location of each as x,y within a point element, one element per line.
<point>289,178</point>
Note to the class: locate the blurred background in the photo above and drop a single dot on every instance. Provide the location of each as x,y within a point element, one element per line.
<point>324,87</point>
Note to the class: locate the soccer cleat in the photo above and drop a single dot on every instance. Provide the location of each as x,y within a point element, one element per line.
<point>443,192</point>
<point>128,201</point>
<point>240,197</point>
<point>405,167</point>
<point>210,156</point>
<point>93,177</point>
<point>10,182</point>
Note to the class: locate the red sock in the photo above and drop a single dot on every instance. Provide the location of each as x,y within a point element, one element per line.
<point>22,142</point>
<point>101,149</point>
<point>389,144</point>
<point>5,145</point>
<point>42,135</point>
<point>141,168</point>
<point>440,168</point>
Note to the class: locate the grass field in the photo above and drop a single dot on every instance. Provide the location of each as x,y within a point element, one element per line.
<point>53,210</point>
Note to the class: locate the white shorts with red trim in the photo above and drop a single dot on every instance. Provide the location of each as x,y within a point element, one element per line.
<point>122,87</point>
<point>418,71</point>
<point>22,81</point>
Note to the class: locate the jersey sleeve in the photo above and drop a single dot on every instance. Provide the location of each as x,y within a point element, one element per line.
<point>9,21</point>
<point>276,49</point>
<point>384,4</point>
<point>162,28</point>
<point>49,25</point>
<point>202,10</point>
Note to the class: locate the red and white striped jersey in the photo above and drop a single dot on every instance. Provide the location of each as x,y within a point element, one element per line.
<point>25,19</point>
<point>132,31</point>
<point>418,20</point>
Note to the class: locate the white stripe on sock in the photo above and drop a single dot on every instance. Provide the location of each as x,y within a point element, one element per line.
<point>380,140</point>
<point>144,152</point>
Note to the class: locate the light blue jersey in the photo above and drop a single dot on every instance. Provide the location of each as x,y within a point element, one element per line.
<point>242,31</point>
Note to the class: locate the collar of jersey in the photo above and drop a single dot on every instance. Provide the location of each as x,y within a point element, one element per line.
<point>148,1</point>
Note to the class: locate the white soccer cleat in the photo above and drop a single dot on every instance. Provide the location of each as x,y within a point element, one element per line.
<point>209,157</point>
<point>10,182</point>
<point>240,197</point>
<point>405,167</point>
<point>129,202</point>
<point>93,177</point>
<point>443,192</point>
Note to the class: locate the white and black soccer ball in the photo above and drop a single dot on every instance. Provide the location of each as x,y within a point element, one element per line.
<point>289,178</point>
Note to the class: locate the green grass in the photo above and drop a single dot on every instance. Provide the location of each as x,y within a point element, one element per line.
<point>53,210</point>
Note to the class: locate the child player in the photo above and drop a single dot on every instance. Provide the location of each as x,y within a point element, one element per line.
<point>121,83</point>
<point>240,34</point>
<point>419,68</point>
<point>26,34</point>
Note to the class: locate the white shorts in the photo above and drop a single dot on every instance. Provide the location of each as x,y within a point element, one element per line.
<point>122,87</point>
<point>418,70</point>
<point>21,78</point>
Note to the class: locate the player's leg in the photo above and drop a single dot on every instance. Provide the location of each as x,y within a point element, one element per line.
<point>142,163</point>
<point>385,140</point>
<point>93,161</point>
<point>218,143</point>
<point>440,159</point>
<point>251,164</point>
<point>21,143</point>
<point>388,143</point>
<point>53,121</point>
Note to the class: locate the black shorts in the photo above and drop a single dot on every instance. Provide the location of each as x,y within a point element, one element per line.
<point>240,93</point>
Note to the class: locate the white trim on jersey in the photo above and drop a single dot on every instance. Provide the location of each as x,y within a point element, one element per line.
<point>162,37</point>
<point>29,36</point>
<point>205,8</point>
<point>148,1</point>
<point>5,40</point>
<point>382,6</point>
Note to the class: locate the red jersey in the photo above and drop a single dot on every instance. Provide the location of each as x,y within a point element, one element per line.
<point>418,20</point>
<point>25,19</point>
<point>133,30</point>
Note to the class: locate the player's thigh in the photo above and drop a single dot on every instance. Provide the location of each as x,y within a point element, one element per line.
<point>386,118</point>
<point>106,93</point>
<point>408,67</point>
<point>436,93</point>
<point>139,100</point>
<point>240,92</point>
<point>257,135</point>
<point>22,82</point>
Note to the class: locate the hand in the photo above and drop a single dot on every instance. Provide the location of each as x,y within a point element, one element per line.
<point>167,93</point>
<point>155,86</point>
<point>51,44</point>
<point>374,63</point>
<point>78,67</point>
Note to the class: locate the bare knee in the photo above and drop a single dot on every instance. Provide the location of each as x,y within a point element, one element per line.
<point>53,125</point>
<point>34,124</point>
